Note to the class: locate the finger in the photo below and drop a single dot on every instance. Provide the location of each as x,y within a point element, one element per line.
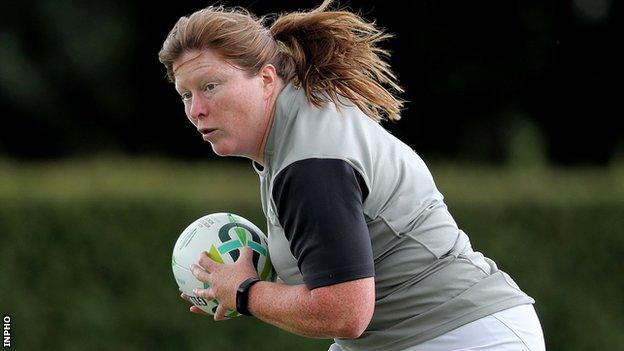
<point>200,273</point>
<point>220,313</point>
<point>246,255</point>
<point>185,297</point>
<point>206,262</point>
<point>207,294</point>
<point>198,310</point>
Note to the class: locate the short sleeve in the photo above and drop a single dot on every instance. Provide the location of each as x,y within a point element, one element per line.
<point>320,207</point>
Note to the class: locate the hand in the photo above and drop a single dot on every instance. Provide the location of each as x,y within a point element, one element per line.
<point>223,279</point>
<point>193,308</point>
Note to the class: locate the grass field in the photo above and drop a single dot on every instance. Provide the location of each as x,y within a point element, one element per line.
<point>185,180</point>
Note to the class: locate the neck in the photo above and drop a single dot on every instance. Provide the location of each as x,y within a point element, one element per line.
<point>269,116</point>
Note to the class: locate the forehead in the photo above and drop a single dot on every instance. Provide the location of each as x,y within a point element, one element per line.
<point>195,62</point>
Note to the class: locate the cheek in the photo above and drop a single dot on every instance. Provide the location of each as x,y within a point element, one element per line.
<point>239,109</point>
<point>187,110</point>
<point>251,103</point>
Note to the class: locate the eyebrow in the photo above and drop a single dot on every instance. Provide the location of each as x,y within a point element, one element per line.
<point>211,74</point>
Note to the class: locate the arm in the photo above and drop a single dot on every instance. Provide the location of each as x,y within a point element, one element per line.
<point>341,310</point>
<point>319,203</point>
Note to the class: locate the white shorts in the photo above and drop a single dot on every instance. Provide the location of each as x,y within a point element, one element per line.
<point>513,329</point>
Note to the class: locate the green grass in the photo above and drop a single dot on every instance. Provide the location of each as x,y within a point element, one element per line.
<point>487,184</point>
<point>128,178</point>
<point>86,247</point>
<point>140,178</point>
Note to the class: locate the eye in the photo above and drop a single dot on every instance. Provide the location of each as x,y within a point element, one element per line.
<point>210,87</point>
<point>186,96</point>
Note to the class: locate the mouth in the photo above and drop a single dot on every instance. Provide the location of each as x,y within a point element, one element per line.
<point>207,132</point>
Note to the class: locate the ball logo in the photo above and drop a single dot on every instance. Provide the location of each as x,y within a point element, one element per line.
<point>231,243</point>
<point>235,235</point>
<point>198,301</point>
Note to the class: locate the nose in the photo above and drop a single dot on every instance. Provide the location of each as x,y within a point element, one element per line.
<point>198,109</point>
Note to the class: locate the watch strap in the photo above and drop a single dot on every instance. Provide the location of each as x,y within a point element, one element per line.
<point>242,295</point>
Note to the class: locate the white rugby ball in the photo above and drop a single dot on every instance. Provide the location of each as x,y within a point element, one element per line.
<point>221,235</point>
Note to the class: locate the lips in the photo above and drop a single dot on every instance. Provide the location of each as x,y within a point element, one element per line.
<point>207,132</point>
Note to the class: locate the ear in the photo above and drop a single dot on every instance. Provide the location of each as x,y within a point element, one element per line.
<point>269,77</point>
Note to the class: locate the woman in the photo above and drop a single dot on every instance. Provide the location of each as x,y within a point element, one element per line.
<point>361,238</point>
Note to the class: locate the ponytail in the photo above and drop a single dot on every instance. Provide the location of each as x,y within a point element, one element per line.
<point>331,53</point>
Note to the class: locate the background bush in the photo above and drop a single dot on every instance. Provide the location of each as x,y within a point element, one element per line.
<point>85,250</point>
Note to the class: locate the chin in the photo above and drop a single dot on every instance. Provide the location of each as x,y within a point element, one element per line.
<point>222,150</point>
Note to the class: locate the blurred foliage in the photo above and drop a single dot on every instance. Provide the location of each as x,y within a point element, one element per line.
<point>236,182</point>
<point>85,254</point>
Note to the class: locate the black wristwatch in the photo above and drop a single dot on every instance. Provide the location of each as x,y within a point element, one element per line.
<point>242,295</point>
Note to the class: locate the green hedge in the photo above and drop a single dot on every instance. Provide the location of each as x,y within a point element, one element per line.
<point>89,275</point>
<point>85,257</point>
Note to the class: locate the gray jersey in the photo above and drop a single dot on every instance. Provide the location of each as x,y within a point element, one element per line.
<point>428,280</point>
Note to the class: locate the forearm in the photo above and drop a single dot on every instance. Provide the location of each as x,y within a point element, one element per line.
<point>294,308</point>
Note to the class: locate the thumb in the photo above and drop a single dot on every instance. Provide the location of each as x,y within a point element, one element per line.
<point>246,254</point>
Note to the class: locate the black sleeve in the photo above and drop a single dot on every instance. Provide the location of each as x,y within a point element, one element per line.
<point>319,205</point>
